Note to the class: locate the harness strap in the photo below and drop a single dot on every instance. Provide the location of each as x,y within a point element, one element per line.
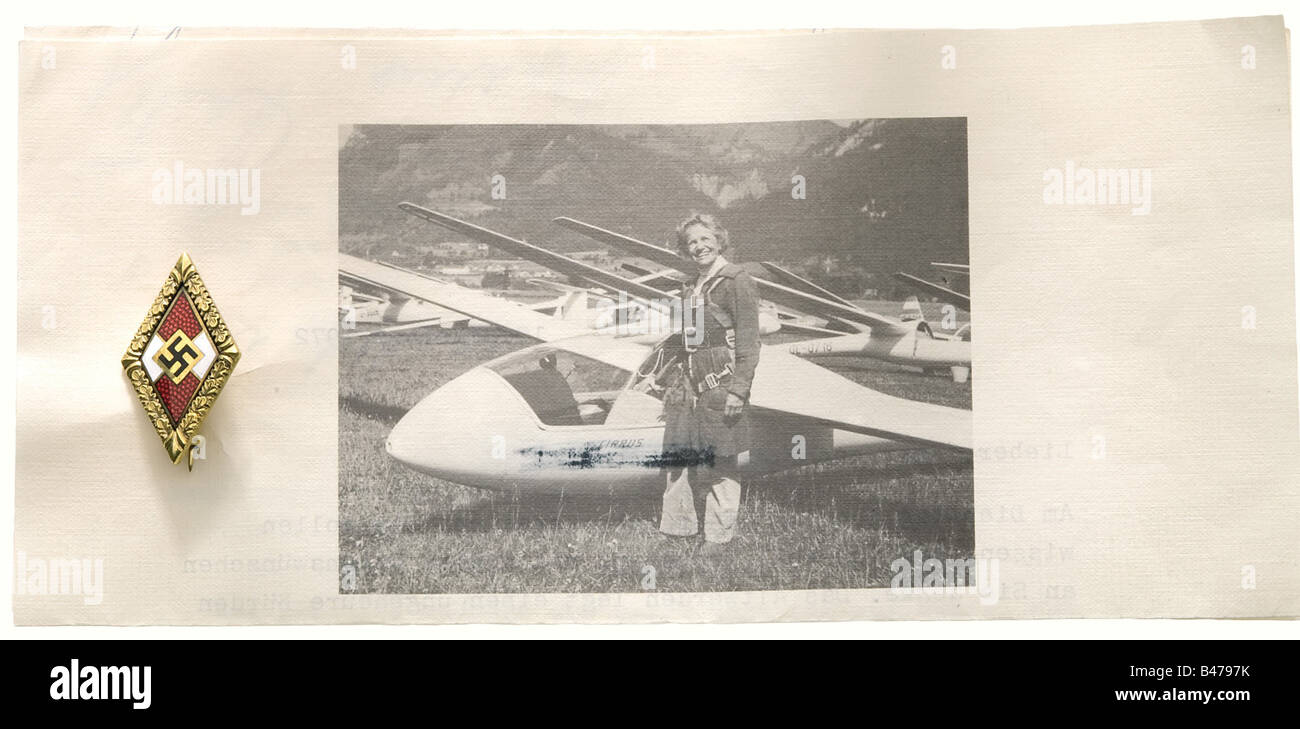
<point>710,285</point>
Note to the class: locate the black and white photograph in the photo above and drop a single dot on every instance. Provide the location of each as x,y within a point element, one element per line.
<point>675,358</point>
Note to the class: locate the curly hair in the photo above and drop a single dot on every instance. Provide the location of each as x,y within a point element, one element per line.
<point>708,221</point>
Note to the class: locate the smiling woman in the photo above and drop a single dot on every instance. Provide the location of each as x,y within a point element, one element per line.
<point>706,403</point>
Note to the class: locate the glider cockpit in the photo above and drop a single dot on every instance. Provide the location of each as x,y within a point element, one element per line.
<point>562,387</point>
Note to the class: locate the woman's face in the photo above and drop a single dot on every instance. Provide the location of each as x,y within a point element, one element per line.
<point>702,246</point>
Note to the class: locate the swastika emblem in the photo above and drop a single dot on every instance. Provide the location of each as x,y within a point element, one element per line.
<point>180,359</point>
<point>178,356</point>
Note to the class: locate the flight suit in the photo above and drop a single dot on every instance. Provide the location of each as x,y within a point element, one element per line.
<point>718,355</point>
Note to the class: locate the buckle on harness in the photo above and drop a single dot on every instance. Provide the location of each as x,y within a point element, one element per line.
<point>713,379</point>
<point>692,338</point>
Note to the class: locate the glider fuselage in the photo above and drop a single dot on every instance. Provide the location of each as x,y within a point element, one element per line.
<point>551,419</point>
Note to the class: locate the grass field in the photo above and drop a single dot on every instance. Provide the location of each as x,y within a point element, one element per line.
<point>833,525</point>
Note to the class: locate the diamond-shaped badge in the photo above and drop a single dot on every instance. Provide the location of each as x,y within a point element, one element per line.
<point>180,358</point>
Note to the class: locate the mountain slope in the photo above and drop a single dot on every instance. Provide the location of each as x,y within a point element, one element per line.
<point>883,195</point>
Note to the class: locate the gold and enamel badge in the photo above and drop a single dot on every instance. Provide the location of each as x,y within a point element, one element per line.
<point>180,359</point>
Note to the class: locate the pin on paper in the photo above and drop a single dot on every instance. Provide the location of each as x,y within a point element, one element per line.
<point>180,359</point>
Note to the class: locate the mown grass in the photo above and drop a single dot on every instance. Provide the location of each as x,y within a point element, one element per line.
<point>832,525</point>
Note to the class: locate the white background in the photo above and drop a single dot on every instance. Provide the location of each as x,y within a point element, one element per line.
<point>520,14</point>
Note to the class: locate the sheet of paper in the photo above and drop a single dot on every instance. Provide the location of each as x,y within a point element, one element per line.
<point>1123,443</point>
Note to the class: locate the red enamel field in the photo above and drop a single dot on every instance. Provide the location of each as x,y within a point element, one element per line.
<point>176,396</point>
